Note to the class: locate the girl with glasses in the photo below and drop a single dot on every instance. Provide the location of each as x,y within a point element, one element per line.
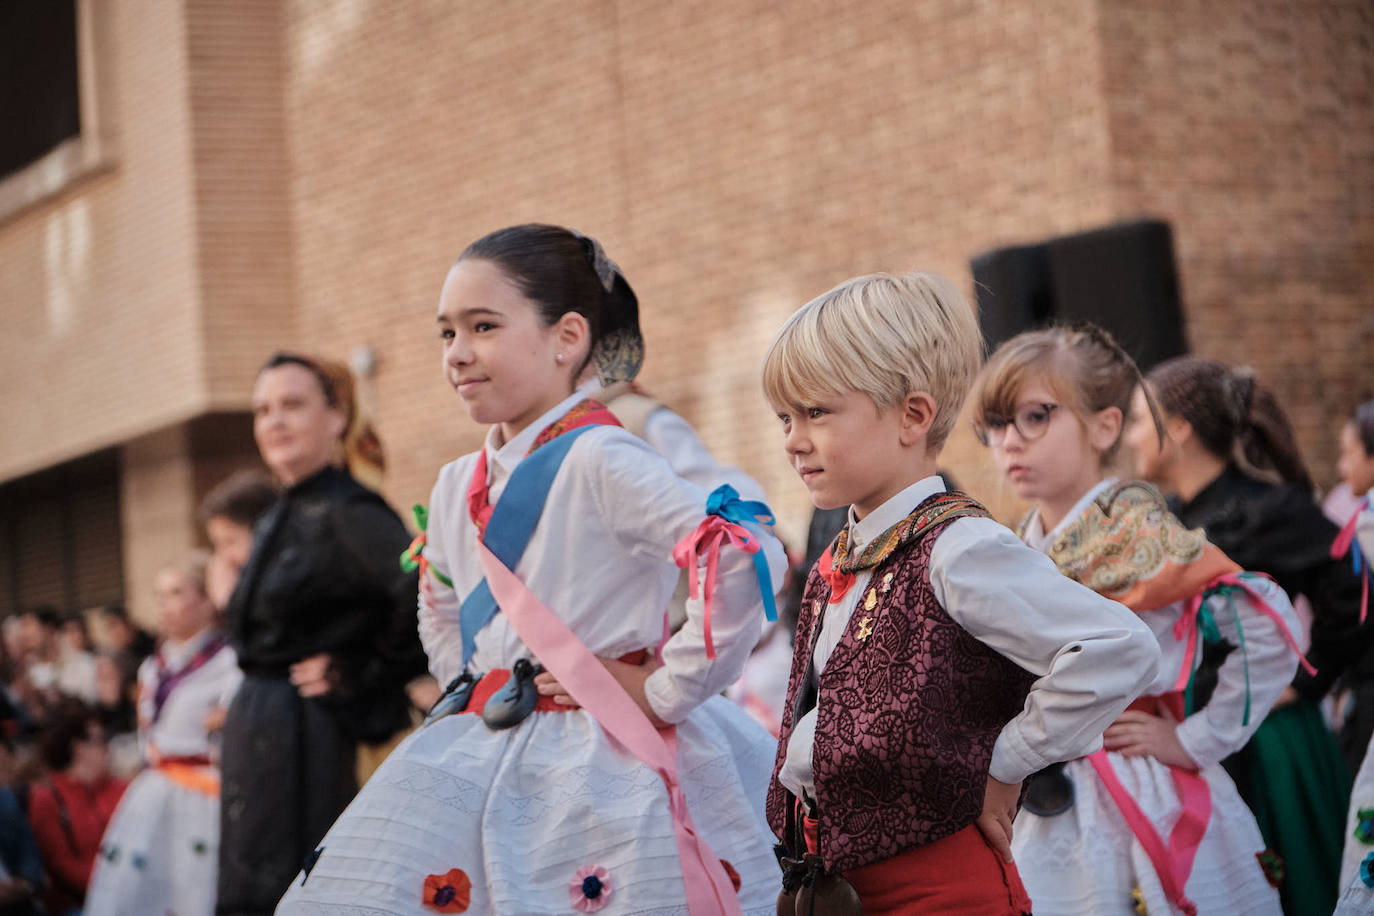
<point>1152,816</point>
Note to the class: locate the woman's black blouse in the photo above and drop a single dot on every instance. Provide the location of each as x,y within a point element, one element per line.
<point>325,577</point>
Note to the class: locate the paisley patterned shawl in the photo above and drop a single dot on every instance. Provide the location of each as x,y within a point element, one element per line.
<point>1128,546</point>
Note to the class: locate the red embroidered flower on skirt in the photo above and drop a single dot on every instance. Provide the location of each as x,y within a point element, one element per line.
<point>448,893</point>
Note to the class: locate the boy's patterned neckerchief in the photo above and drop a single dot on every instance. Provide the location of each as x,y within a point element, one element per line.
<point>838,567</point>
<point>584,413</point>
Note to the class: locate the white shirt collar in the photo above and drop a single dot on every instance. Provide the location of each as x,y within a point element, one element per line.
<point>1041,540</point>
<point>509,455</point>
<point>175,655</point>
<point>892,511</point>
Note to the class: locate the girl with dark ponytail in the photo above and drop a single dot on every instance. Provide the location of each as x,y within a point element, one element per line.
<point>565,768</point>
<point>1230,461</point>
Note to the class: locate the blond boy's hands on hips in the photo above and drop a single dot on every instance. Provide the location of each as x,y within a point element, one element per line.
<point>999,809</point>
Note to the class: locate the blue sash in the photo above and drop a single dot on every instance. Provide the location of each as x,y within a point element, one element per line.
<point>511,526</point>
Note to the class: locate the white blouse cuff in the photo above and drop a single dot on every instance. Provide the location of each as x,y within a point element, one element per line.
<point>1012,759</point>
<point>665,699</point>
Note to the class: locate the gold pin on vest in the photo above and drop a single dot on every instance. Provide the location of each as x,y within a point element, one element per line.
<point>872,600</point>
<point>865,628</point>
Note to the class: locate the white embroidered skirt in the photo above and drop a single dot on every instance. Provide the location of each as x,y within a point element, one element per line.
<point>527,813</point>
<point>1086,860</point>
<point>160,852</point>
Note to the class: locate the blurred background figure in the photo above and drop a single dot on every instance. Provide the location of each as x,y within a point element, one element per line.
<point>1229,461</point>
<point>70,809</point>
<point>121,647</point>
<point>54,666</point>
<point>323,621</point>
<point>228,514</point>
<point>21,866</point>
<point>1356,467</point>
<point>160,851</point>
<point>119,637</point>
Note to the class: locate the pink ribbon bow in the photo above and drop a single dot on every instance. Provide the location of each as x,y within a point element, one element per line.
<point>707,539</point>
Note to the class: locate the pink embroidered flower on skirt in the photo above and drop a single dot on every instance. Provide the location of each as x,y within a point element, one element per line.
<point>590,888</point>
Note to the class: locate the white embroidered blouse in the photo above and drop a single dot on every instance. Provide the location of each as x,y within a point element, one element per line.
<point>600,558</point>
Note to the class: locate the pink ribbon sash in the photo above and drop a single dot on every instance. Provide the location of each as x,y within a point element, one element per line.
<point>1186,628</point>
<point>1173,863</point>
<point>708,887</point>
<point>1343,544</point>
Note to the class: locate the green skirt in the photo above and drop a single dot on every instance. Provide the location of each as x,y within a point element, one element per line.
<point>1294,779</point>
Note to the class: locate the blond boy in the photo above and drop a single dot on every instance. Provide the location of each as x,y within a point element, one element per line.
<point>939,661</point>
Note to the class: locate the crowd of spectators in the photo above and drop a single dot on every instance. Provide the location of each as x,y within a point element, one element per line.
<point>68,745</point>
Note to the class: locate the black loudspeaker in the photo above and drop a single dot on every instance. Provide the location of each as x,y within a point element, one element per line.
<point>1014,294</point>
<point>1121,278</point>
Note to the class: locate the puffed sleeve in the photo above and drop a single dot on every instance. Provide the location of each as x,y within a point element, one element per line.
<point>439,604</point>
<point>1220,729</point>
<point>1092,656</point>
<point>650,509</point>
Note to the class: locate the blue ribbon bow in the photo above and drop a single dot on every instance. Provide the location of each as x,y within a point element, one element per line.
<point>724,501</point>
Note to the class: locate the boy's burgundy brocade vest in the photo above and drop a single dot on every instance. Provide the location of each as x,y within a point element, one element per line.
<point>906,717</point>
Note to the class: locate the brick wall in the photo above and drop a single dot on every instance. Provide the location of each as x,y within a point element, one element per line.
<point>242,173</point>
<point>304,173</point>
<point>99,287</point>
<point>736,160</point>
<point>1249,127</point>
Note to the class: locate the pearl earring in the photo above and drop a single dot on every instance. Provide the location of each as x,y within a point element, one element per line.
<point>559,357</point>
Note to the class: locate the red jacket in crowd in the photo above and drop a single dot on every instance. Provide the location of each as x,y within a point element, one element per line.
<point>68,819</point>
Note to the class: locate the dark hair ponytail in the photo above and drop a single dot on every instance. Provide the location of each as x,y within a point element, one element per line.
<point>1363,422</point>
<point>563,271</point>
<point>1233,415</point>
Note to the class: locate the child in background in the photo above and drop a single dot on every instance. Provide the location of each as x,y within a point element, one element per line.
<point>1230,463</point>
<point>160,852</point>
<point>229,513</point>
<point>70,809</point>
<point>939,661</point>
<point>1153,816</point>
<point>1356,469</point>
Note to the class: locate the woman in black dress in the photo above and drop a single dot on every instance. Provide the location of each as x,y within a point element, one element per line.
<point>324,623</point>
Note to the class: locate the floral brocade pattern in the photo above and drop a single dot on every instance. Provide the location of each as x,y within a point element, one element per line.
<point>1124,537</point>
<point>906,720</point>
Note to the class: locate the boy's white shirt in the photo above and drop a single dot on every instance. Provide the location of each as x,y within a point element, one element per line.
<point>1220,728</point>
<point>1091,656</point>
<point>601,558</point>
